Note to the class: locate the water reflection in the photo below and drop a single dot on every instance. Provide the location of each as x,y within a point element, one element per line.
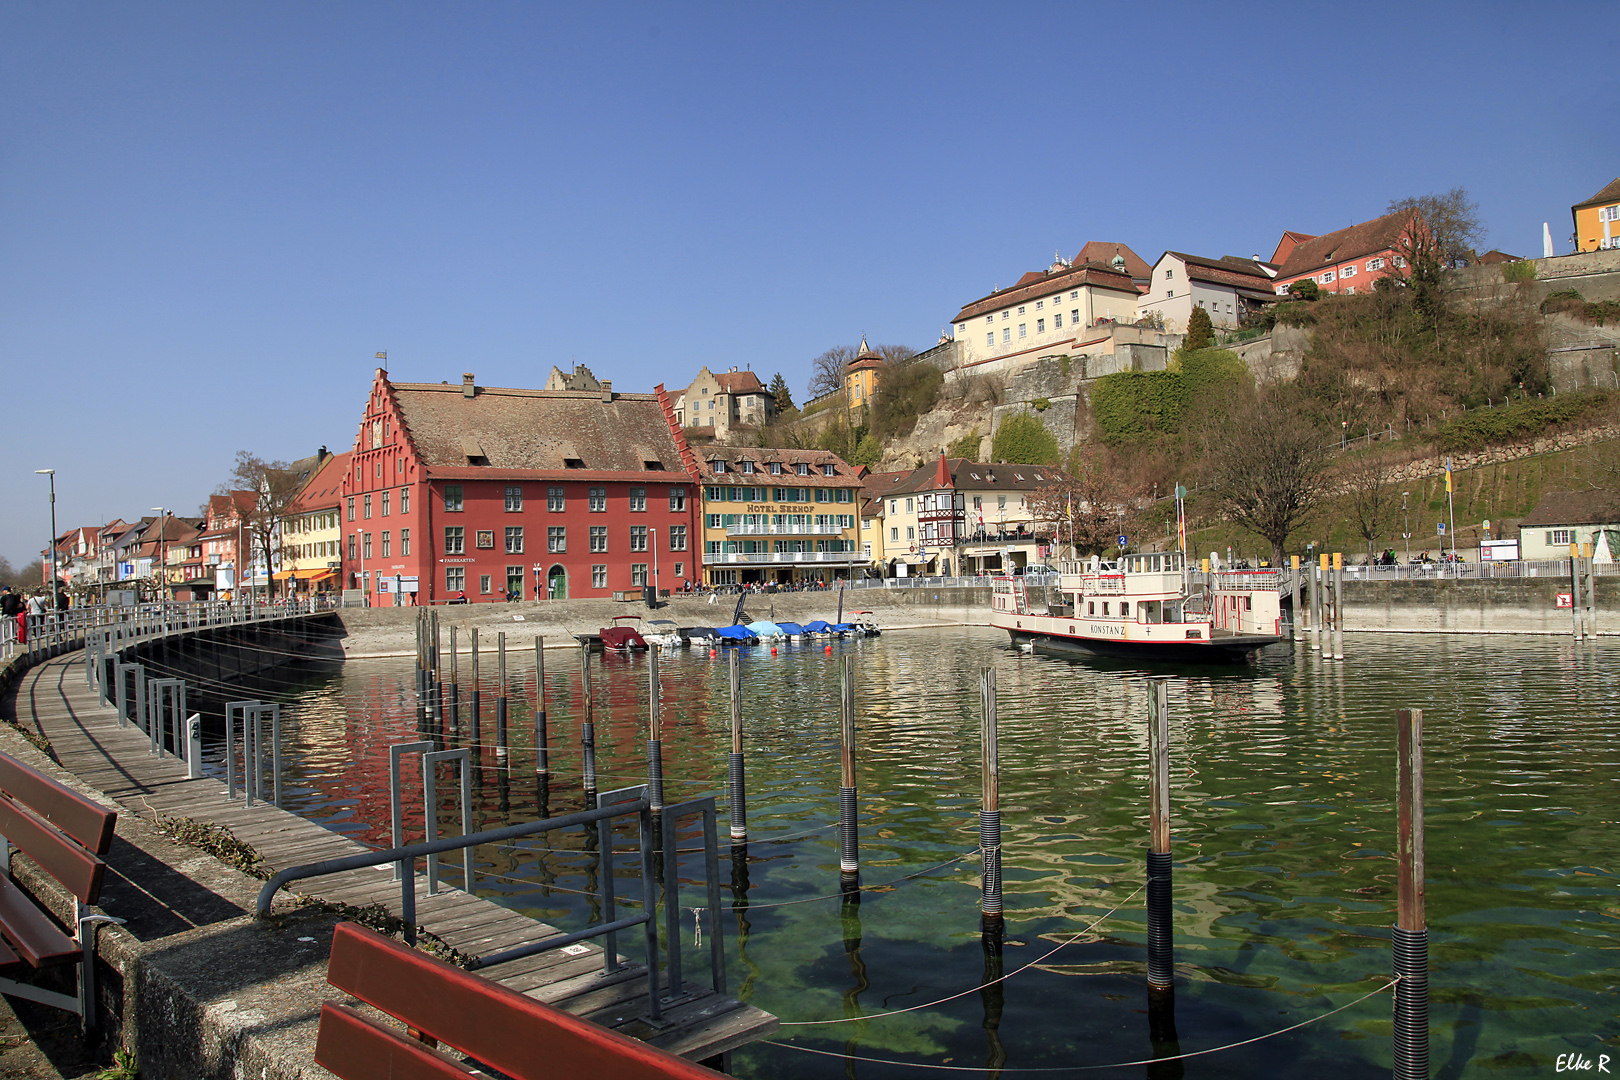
<point>1282,786</point>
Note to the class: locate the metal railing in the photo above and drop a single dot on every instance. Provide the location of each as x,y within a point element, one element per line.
<point>627,802</point>
<point>41,636</point>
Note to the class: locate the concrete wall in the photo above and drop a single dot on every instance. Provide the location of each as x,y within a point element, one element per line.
<point>1499,606</point>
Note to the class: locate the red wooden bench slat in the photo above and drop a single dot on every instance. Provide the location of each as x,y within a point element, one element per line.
<point>354,1048</point>
<point>6,955</point>
<point>39,940</point>
<point>518,1035</point>
<point>78,870</point>
<point>88,822</point>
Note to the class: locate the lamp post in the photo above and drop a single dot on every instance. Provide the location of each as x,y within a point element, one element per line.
<point>52,474</point>
<point>1406,518</point>
<point>163,563</point>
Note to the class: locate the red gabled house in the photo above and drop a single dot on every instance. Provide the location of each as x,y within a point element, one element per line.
<point>1346,261</point>
<point>481,491</point>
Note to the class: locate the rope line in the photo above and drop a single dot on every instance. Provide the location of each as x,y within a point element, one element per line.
<point>974,990</point>
<point>864,888</point>
<point>1086,1068</point>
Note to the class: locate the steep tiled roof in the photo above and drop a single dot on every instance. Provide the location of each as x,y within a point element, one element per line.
<point>979,475</point>
<point>1102,252</point>
<point>740,382</point>
<point>1609,194</point>
<point>1231,270</point>
<point>1035,286</point>
<point>323,489</point>
<point>536,431</point>
<point>1368,238</point>
<point>844,474</point>
<point>1595,507</point>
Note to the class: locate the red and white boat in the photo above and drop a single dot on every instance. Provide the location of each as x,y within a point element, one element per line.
<point>1144,606</point>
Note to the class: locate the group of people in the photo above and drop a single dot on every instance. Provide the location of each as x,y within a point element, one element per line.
<point>36,604</point>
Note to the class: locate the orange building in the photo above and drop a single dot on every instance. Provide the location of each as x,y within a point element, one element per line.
<point>1597,220</point>
<point>1347,261</point>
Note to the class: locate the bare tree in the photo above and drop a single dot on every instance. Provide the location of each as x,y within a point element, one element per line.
<point>827,370</point>
<point>1085,508</point>
<point>1369,485</point>
<point>1449,226</point>
<point>1267,460</point>
<point>275,486</point>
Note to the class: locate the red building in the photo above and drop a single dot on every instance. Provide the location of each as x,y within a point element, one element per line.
<point>1347,261</point>
<point>478,490</point>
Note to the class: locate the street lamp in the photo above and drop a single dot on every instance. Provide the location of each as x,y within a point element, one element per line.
<point>163,562</point>
<point>52,474</point>
<point>1407,527</point>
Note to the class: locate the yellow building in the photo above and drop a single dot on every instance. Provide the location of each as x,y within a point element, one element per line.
<point>861,376</point>
<point>312,551</point>
<point>1597,220</point>
<point>779,516</point>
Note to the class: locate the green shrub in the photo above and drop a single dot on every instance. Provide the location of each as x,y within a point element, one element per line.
<point>1520,420</point>
<point>904,393</point>
<point>1200,332</point>
<point>1132,406</point>
<point>1297,313</point>
<point>966,447</point>
<point>1024,440</point>
<point>1041,404</point>
<point>1305,289</point>
<point>1522,270</point>
<point>1571,303</point>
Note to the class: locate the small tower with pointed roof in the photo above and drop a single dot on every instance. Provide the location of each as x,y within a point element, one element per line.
<point>862,375</point>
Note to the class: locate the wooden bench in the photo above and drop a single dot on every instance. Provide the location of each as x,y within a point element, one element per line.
<point>65,834</point>
<point>441,1004</point>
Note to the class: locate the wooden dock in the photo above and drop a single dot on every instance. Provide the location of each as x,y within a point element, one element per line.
<point>53,700</point>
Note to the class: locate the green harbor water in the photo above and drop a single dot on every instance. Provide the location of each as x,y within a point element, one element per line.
<point>1283,789</point>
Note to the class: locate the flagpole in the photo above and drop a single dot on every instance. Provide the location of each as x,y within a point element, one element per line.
<point>1451,510</point>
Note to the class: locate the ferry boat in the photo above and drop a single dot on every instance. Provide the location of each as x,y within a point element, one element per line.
<point>1144,606</point>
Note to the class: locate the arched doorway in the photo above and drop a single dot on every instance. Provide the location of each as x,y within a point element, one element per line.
<point>557,583</point>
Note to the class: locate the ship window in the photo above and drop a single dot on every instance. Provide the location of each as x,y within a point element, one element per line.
<point>1091,607</point>
<point>1124,610</point>
<point>1248,603</point>
<point>1105,607</point>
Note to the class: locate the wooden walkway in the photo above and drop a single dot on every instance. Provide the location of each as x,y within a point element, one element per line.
<point>55,702</point>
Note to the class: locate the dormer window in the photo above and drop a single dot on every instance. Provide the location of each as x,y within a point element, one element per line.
<point>802,468</point>
<point>748,467</point>
<point>718,466</point>
<point>829,470</point>
<point>573,463</point>
<point>652,466</point>
<point>776,468</point>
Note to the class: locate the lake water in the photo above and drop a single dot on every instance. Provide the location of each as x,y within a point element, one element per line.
<point>1283,786</point>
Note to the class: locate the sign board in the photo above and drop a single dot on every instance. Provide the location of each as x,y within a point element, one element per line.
<point>1566,600</point>
<point>1122,540</point>
<point>1498,550</point>
<point>1440,529</point>
<point>407,584</point>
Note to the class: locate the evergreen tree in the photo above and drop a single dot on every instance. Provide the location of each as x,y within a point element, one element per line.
<point>1200,334</point>
<point>779,390</point>
<point>1024,440</point>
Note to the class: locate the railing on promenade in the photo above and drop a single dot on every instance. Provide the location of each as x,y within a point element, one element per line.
<point>38,636</point>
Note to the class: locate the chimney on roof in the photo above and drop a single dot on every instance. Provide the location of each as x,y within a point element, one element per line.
<point>607,389</point>
<point>467,388</point>
<point>320,454</point>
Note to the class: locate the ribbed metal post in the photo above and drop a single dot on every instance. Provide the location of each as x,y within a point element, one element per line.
<point>542,752</point>
<point>452,709</point>
<point>1298,615</point>
<point>1338,606</point>
<point>849,861</point>
<point>990,807</point>
<point>587,727</point>
<point>500,698</point>
<point>655,737</point>
<point>1411,934</point>
<point>1160,963</point>
<point>474,721</point>
<point>734,765</point>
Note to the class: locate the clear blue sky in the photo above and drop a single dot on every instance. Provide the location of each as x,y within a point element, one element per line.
<point>213,215</point>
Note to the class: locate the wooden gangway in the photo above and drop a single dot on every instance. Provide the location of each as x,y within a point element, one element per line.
<point>54,701</point>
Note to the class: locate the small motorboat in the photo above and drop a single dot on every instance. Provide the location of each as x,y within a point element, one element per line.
<point>868,625</point>
<point>662,633</point>
<point>736,635</point>
<point>700,635</point>
<point>623,638</point>
<point>764,628</point>
<point>792,629</point>
<point>819,628</point>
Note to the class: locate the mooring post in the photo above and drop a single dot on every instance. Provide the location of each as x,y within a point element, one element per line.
<point>1411,934</point>
<point>453,709</point>
<point>1299,616</point>
<point>1329,606</point>
<point>1160,970</point>
<point>542,754</point>
<point>1314,583</point>
<point>587,727</point>
<point>734,764</point>
<point>849,862</point>
<point>1591,595</point>
<point>990,917</point>
<point>1338,605</point>
<point>474,722</point>
<point>500,697</point>
<point>655,738</point>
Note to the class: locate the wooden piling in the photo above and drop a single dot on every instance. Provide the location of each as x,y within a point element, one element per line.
<point>474,721</point>
<point>849,862</point>
<point>1324,640</point>
<point>587,727</point>
<point>1298,615</point>
<point>500,697</point>
<point>1410,937</point>
<point>655,737</point>
<point>453,706</point>
<point>990,912</point>
<point>1161,972</point>
<point>1338,605</point>
<point>542,752</point>
<point>734,764</point>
